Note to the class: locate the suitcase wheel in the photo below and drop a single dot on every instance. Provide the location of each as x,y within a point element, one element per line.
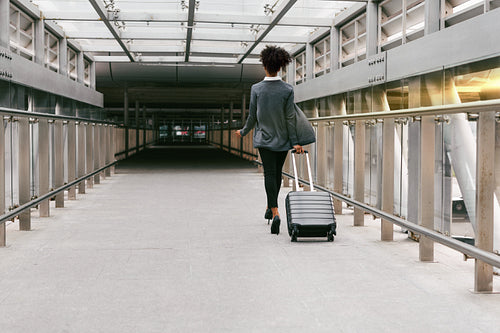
<point>330,236</point>
<point>295,232</point>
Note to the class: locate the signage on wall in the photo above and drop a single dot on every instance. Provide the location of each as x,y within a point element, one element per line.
<point>377,68</point>
<point>5,64</point>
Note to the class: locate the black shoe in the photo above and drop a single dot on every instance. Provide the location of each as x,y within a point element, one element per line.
<point>268,215</point>
<point>275,226</point>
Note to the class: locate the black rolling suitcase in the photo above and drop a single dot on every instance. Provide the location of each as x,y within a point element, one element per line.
<point>309,214</point>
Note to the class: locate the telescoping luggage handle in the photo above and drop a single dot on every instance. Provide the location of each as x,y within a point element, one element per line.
<point>308,170</point>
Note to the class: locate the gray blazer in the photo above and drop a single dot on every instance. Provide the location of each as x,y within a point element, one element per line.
<point>272,113</point>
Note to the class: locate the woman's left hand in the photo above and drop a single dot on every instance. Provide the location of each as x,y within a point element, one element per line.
<point>238,133</point>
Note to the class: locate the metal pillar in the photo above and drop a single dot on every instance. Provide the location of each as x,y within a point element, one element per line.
<point>71,158</point>
<point>92,75</point>
<point>108,130</point>
<point>321,155</point>
<point>39,42</point>
<point>126,118</point>
<point>59,161</point>
<point>80,67</point>
<point>2,176</point>
<point>89,157</point>
<point>338,155</point>
<point>485,180</point>
<point>230,126</point>
<point>387,228</point>
<point>102,148</point>
<point>243,116</point>
<point>43,165</point>
<point>5,23</point>
<point>309,62</point>
<point>371,28</point>
<point>24,172</point>
<point>334,44</point>
<point>137,126</point>
<point>414,101</point>
<point>432,16</point>
<point>97,152</point>
<point>144,126</point>
<point>81,156</point>
<point>427,135</point>
<point>63,56</point>
<point>222,128</point>
<point>359,171</point>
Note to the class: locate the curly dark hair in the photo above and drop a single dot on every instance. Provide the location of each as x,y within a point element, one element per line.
<point>273,58</point>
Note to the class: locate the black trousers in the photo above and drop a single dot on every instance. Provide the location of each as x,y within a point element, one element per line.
<point>273,164</point>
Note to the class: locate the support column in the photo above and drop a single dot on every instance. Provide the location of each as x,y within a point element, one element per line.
<point>371,28</point>
<point>81,156</point>
<point>43,165</point>
<point>2,176</point>
<point>230,125</point>
<point>414,101</point>
<point>92,75</point>
<point>80,67</point>
<point>108,150</point>
<point>144,125</point>
<point>334,45</point>
<point>359,171</point>
<point>126,118</point>
<point>24,172</point>
<point>338,156</point>
<point>387,227</point>
<point>222,128</point>
<point>40,42</point>
<point>71,158</point>
<point>63,56</point>
<point>321,156</point>
<point>309,62</point>
<point>243,117</point>
<point>102,148</point>
<point>89,152</point>
<point>97,152</point>
<point>427,135</point>
<point>137,126</point>
<point>5,23</point>
<point>59,161</point>
<point>485,189</point>
<point>432,16</point>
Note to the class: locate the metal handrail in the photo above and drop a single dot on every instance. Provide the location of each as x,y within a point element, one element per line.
<point>16,112</point>
<point>15,212</point>
<point>469,250</point>
<point>482,106</point>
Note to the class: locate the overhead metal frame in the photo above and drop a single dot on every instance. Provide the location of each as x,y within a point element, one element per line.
<point>190,25</point>
<point>101,11</point>
<point>284,8</point>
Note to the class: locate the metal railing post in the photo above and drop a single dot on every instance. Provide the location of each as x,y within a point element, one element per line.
<point>338,155</point>
<point>359,171</point>
<point>97,153</point>
<point>102,148</point>
<point>108,150</point>
<point>43,165</point>
<point>321,156</point>
<point>89,138</point>
<point>427,137</point>
<point>2,181</point>
<point>387,227</point>
<point>485,189</point>
<point>59,161</point>
<point>81,155</point>
<point>71,158</point>
<point>24,172</point>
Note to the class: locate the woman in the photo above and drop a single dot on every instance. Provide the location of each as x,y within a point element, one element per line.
<point>272,113</point>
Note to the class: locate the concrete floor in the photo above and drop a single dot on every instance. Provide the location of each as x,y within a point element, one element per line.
<point>176,242</point>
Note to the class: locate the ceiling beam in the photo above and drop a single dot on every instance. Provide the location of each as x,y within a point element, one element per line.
<point>222,37</point>
<point>175,60</point>
<point>101,11</point>
<point>200,17</point>
<point>165,49</point>
<point>190,26</point>
<point>282,10</point>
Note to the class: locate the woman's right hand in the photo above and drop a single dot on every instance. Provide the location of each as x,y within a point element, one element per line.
<point>299,149</point>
